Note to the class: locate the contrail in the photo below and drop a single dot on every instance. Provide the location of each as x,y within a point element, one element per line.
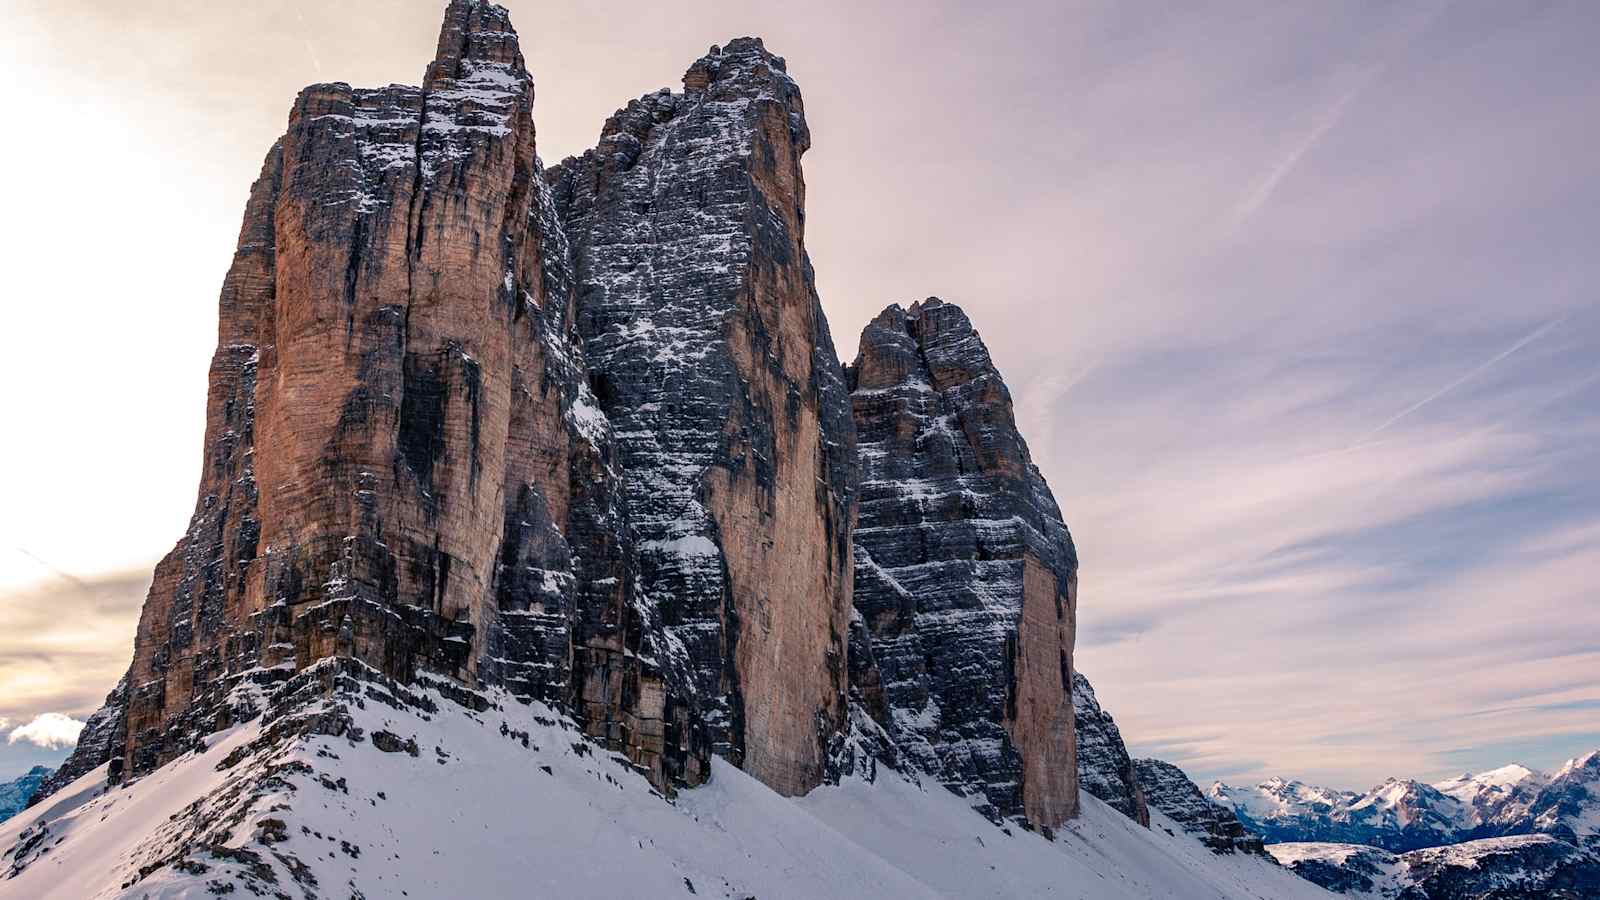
<point>1399,41</point>
<point>66,575</point>
<point>310,51</point>
<point>1263,190</point>
<point>1525,341</point>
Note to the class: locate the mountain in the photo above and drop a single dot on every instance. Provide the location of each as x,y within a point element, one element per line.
<point>1499,799</point>
<point>965,574</point>
<point>1401,815</point>
<point>1568,805</point>
<point>448,432</point>
<point>1167,789</point>
<point>14,794</point>
<point>1505,834</point>
<point>547,481</point>
<point>1524,867</point>
<point>708,352</point>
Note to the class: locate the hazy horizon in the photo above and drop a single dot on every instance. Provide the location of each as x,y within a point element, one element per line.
<point>1294,302</point>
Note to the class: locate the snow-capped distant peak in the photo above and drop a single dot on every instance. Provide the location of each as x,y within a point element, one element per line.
<point>1468,786</point>
<point>1581,763</point>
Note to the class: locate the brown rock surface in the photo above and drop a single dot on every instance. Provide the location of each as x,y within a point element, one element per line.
<point>398,443</point>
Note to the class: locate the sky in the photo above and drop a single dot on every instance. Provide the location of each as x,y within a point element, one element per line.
<point>1296,302</point>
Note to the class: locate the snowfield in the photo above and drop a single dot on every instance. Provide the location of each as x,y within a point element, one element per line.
<point>369,790</point>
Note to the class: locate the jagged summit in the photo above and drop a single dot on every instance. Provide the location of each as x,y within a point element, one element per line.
<point>539,496</point>
<point>966,576</point>
<point>711,356</point>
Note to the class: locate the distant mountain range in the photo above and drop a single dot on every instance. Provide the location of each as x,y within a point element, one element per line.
<point>14,794</point>
<point>1504,834</point>
<point>1401,815</point>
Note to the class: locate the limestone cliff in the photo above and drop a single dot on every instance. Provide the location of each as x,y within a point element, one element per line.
<point>709,352</point>
<point>966,576</point>
<point>405,462</point>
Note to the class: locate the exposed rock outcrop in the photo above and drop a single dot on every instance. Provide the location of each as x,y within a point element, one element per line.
<point>1104,767</point>
<point>405,463</point>
<point>966,576</point>
<point>1167,789</point>
<point>1523,867</point>
<point>103,740</point>
<point>710,354</point>
<point>401,463</point>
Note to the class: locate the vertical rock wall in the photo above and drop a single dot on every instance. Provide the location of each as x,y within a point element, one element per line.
<point>583,433</point>
<point>403,463</point>
<point>966,577</point>
<point>709,352</point>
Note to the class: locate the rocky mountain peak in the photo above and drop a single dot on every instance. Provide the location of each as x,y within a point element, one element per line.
<point>475,37</point>
<point>966,576</point>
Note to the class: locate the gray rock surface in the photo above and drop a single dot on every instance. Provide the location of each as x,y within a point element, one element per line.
<point>966,576</point>
<point>709,353</point>
<point>1169,790</point>
<point>1104,767</point>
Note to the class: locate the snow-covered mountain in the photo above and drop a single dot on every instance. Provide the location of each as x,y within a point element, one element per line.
<point>1568,806</point>
<point>344,783</point>
<point>1521,867</point>
<point>1499,798</point>
<point>1397,815</point>
<point>1402,815</point>
<point>1510,832</point>
<point>14,794</point>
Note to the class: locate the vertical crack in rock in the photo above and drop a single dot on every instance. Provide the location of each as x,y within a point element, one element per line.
<point>710,354</point>
<point>966,576</point>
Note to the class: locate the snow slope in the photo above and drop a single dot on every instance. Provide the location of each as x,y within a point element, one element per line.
<point>350,786</point>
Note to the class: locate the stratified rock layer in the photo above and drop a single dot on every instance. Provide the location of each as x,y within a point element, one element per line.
<point>710,354</point>
<point>966,576</point>
<point>1167,789</point>
<point>1104,767</point>
<point>406,464</point>
<point>403,463</point>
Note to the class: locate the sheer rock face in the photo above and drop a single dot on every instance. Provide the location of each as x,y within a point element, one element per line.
<point>710,354</point>
<point>1104,767</point>
<point>405,463</point>
<point>1167,789</point>
<point>966,576</point>
<point>402,461</point>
